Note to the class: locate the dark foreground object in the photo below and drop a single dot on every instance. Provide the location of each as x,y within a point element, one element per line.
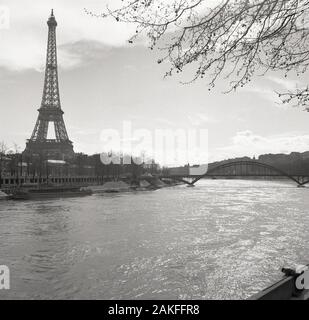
<point>294,286</point>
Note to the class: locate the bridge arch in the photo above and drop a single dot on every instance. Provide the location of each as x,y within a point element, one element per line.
<point>212,171</point>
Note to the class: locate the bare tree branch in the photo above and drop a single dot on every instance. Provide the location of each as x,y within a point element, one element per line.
<point>234,38</point>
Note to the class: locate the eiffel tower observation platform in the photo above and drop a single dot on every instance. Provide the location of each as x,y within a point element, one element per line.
<point>50,149</point>
<point>50,113</point>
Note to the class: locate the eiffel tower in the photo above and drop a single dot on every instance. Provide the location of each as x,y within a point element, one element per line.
<point>60,147</point>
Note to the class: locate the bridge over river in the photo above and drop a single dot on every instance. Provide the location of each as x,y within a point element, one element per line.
<point>248,168</point>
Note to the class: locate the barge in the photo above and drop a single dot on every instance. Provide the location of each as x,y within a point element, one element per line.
<point>46,192</point>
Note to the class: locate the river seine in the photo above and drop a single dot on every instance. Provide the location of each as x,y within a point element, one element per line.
<point>223,239</point>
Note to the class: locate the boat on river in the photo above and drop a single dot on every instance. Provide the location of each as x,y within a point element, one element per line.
<point>110,187</point>
<point>3,196</point>
<point>293,286</point>
<point>46,192</point>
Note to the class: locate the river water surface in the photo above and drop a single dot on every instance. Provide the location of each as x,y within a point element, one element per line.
<point>219,240</point>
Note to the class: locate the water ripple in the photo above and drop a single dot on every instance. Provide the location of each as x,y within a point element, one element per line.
<point>219,240</point>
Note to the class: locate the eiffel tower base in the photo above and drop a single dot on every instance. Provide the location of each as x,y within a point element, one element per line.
<point>52,150</point>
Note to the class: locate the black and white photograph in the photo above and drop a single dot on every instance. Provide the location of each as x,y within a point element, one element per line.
<point>154,151</point>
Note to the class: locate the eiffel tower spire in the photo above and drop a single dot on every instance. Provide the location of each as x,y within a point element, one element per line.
<point>50,110</point>
<point>51,96</point>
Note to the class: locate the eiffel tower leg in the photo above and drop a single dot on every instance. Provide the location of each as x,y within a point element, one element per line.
<point>43,130</point>
<point>61,133</point>
<point>35,130</point>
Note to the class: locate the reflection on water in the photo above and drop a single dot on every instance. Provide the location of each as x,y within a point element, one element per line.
<point>219,240</point>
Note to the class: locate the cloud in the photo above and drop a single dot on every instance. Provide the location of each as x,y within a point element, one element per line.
<point>269,86</point>
<point>81,52</point>
<point>266,93</point>
<point>198,119</point>
<point>246,143</point>
<point>23,44</point>
<point>287,84</point>
<point>166,122</point>
<point>83,132</point>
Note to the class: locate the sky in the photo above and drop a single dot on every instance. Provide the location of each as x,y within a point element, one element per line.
<point>105,81</point>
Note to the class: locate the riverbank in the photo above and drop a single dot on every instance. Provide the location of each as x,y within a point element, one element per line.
<point>107,187</point>
<point>121,186</point>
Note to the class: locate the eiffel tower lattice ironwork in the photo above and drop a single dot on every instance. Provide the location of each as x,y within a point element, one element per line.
<point>50,111</point>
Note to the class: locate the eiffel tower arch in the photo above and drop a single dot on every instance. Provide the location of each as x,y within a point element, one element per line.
<point>50,111</point>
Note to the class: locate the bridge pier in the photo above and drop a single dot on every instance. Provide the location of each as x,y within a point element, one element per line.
<point>302,181</point>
